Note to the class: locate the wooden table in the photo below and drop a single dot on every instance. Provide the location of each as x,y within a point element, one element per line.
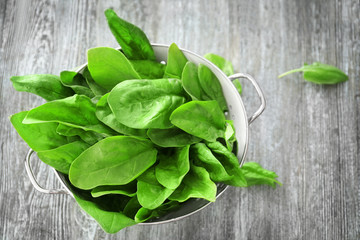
<point>309,134</point>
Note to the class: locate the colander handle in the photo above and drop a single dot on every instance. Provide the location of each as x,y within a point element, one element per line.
<point>33,180</point>
<point>258,90</point>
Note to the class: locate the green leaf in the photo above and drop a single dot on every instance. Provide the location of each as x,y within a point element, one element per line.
<point>76,82</point>
<point>171,137</point>
<point>95,88</point>
<point>220,62</point>
<point>191,83</point>
<point>39,136</point>
<point>148,69</point>
<point>146,103</point>
<point>109,67</point>
<point>173,167</point>
<point>127,190</point>
<point>203,157</point>
<point>203,119</point>
<point>256,175</point>
<point>196,184</point>
<point>132,39</point>
<point>77,111</point>
<point>229,134</point>
<point>211,86</point>
<point>61,157</point>
<point>238,86</point>
<point>105,115</point>
<point>89,137</point>
<point>320,73</point>
<point>113,161</point>
<point>176,61</point>
<point>145,214</point>
<point>230,163</point>
<point>46,86</point>
<point>151,194</point>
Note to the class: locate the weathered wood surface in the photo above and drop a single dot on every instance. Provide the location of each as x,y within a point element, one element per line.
<point>309,134</point>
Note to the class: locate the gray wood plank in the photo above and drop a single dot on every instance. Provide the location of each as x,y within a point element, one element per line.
<point>309,134</point>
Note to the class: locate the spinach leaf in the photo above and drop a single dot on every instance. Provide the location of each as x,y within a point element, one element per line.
<point>238,86</point>
<point>230,163</point>
<point>256,175</point>
<point>105,115</point>
<point>320,73</point>
<point>89,137</point>
<point>61,157</point>
<point>95,88</point>
<point>196,184</point>
<point>211,86</point>
<point>203,157</point>
<point>46,86</point>
<point>132,207</point>
<point>77,111</point>
<point>220,62</point>
<point>176,61</point>
<point>191,83</point>
<point>112,161</point>
<point>111,221</point>
<point>148,69</point>
<point>109,67</point>
<point>132,39</point>
<point>172,168</point>
<point>229,134</point>
<point>150,193</point>
<point>127,190</point>
<point>171,137</point>
<point>39,136</point>
<point>76,82</point>
<point>144,214</point>
<point>146,103</point>
<point>203,119</point>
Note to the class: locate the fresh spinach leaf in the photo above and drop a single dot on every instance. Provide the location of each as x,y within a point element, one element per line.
<point>39,136</point>
<point>114,160</point>
<point>148,69</point>
<point>109,67</point>
<point>105,115</point>
<point>46,86</point>
<point>320,73</point>
<point>173,167</point>
<point>95,88</point>
<point>171,137</point>
<point>196,184</point>
<point>176,61</point>
<point>61,157</point>
<point>76,82</point>
<point>126,189</point>
<point>132,39</point>
<point>220,62</point>
<point>146,103</point>
<point>256,175</point>
<point>132,207</point>
<point>191,83</point>
<point>229,134</point>
<point>150,193</point>
<point>203,157</point>
<point>203,119</point>
<point>90,137</point>
<point>144,214</point>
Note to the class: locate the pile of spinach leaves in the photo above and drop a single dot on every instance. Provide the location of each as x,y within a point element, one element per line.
<point>135,137</point>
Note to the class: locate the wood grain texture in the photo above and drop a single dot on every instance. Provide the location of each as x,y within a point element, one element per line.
<point>309,134</point>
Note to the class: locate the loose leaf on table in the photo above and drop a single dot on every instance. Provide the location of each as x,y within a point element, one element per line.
<point>171,137</point>
<point>132,39</point>
<point>176,61</point>
<point>148,69</point>
<point>110,220</point>
<point>89,137</point>
<point>39,136</point>
<point>203,157</point>
<point>150,193</point>
<point>77,111</point>
<point>61,158</point>
<point>173,167</point>
<point>203,119</point>
<point>144,214</point>
<point>146,103</point>
<point>126,189</point>
<point>115,160</point>
<point>95,88</point>
<point>230,163</point>
<point>211,85</point>
<point>105,115</point>
<point>320,73</point>
<point>109,67</point>
<point>191,83</point>
<point>46,86</point>
<point>256,175</point>
<point>196,184</point>
<point>76,82</point>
